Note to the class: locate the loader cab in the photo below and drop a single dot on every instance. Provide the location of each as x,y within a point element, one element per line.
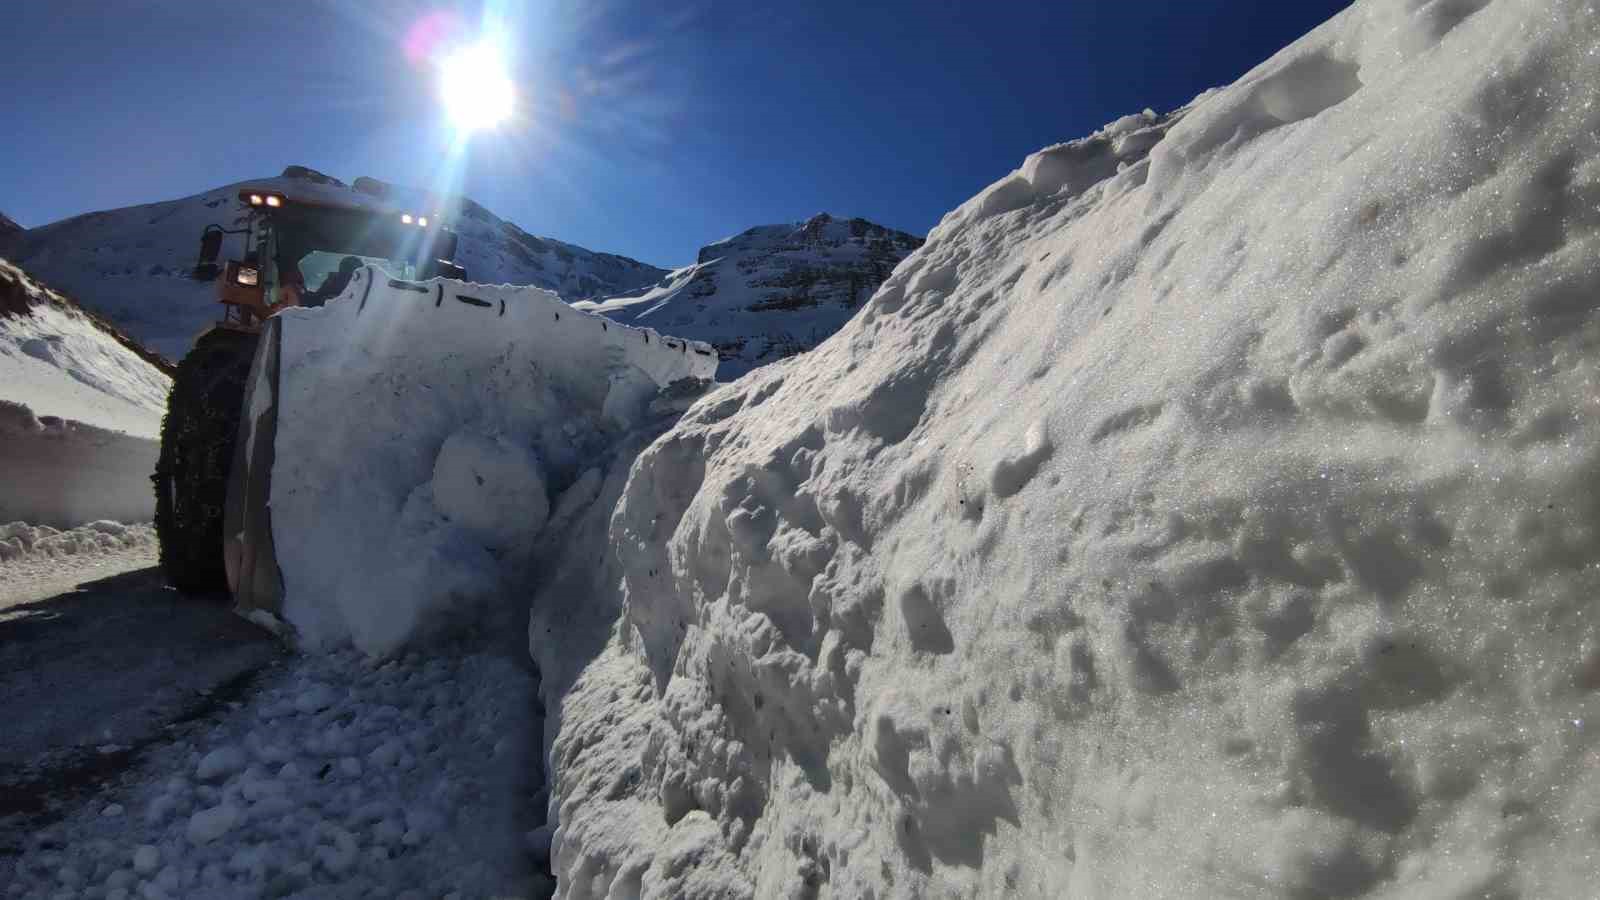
<point>297,252</point>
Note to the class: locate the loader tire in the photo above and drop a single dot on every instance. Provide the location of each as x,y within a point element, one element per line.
<point>191,477</point>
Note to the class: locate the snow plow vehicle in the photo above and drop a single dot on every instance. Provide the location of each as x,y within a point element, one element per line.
<point>366,437</point>
<point>302,246</point>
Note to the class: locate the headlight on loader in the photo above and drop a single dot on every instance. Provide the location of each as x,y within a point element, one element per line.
<point>247,276</point>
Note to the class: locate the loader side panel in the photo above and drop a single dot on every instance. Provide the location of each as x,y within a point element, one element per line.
<point>249,551</point>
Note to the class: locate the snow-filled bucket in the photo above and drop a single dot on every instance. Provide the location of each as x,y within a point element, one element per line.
<point>403,445</point>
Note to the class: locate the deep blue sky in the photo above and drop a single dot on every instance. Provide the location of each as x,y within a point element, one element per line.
<point>650,127</point>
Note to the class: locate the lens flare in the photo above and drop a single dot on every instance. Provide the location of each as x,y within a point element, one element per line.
<point>476,87</point>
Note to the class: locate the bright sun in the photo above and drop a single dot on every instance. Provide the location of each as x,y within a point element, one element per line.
<point>476,87</point>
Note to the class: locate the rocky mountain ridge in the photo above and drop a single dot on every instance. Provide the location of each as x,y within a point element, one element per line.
<point>771,291</point>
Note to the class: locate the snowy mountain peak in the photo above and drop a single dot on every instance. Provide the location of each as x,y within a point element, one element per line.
<point>8,227</point>
<point>821,229</point>
<point>771,291</point>
<point>132,264</point>
<point>60,360</point>
<point>306,173</point>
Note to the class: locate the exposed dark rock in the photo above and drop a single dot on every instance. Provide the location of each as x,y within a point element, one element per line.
<point>305,173</point>
<point>772,291</point>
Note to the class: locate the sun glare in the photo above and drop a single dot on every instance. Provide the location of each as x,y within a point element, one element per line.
<point>476,87</point>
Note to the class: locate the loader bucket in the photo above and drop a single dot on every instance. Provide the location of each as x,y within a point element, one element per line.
<point>376,525</point>
<point>248,551</point>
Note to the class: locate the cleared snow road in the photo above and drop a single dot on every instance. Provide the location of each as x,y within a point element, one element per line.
<point>167,748</point>
<point>98,672</point>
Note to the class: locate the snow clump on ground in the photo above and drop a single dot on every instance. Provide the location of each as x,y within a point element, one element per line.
<point>38,559</point>
<point>21,543</point>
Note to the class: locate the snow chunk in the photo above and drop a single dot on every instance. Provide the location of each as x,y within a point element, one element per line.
<point>1013,471</point>
<point>220,763</point>
<point>315,697</point>
<point>492,487</point>
<point>146,859</point>
<point>207,825</point>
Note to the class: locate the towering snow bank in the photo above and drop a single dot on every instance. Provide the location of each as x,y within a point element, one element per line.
<point>425,430</point>
<point>1210,508</point>
<point>769,292</point>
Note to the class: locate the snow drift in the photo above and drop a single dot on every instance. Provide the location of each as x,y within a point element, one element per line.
<point>424,432</point>
<point>1209,508</point>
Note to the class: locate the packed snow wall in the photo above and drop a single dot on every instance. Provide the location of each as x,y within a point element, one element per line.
<point>404,445</point>
<point>64,473</point>
<point>1210,508</point>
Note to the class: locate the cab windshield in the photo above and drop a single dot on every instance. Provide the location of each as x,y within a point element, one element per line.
<point>318,265</point>
<point>319,243</point>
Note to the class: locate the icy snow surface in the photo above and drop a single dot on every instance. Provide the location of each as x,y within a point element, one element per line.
<point>424,433</point>
<point>1210,508</point>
